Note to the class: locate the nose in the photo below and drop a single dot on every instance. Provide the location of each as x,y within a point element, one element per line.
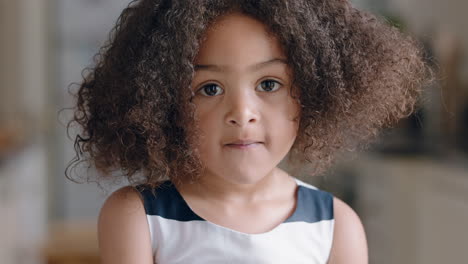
<point>242,109</point>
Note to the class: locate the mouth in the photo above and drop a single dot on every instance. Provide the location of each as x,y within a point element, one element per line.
<point>242,144</point>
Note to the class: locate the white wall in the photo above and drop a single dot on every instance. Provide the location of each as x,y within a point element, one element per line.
<point>25,96</point>
<point>448,16</point>
<point>81,26</point>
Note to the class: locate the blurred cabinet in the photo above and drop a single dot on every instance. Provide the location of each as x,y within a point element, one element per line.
<point>23,205</point>
<point>414,210</point>
<point>71,243</point>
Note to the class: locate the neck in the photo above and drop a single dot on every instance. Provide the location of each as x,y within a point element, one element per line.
<point>218,188</point>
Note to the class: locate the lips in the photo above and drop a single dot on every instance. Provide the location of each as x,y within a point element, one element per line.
<point>244,142</point>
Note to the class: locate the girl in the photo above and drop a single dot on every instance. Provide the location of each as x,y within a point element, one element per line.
<point>197,102</point>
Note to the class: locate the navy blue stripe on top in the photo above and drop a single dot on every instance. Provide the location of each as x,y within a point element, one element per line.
<point>312,205</point>
<point>168,203</point>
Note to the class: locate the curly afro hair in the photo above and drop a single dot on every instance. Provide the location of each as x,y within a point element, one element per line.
<point>354,72</point>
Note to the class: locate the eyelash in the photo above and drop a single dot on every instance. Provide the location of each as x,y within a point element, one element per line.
<point>209,84</point>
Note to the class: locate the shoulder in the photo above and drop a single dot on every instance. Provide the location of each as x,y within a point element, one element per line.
<point>349,238</point>
<point>122,225</point>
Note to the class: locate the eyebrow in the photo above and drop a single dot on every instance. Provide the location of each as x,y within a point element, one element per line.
<point>255,67</point>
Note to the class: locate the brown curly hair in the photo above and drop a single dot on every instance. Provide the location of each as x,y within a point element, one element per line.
<point>355,74</point>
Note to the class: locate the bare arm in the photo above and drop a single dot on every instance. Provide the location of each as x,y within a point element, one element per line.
<point>349,239</point>
<point>123,232</point>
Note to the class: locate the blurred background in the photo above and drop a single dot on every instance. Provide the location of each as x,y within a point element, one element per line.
<point>410,189</point>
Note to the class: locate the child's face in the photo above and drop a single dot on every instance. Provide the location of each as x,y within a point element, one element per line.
<point>236,101</point>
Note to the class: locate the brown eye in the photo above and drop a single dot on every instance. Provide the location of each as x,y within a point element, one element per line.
<point>211,90</point>
<point>270,85</point>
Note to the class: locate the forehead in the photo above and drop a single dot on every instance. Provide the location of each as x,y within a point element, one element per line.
<point>236,41</point>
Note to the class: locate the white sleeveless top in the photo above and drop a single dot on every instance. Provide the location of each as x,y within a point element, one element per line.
<point>179,236</point>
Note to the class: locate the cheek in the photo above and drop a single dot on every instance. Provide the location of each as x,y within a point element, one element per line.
<point>208,125</point>
<point>282,126</point>
<point>205,119</point>
<point>285,114</point>
<point>293,110</point>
